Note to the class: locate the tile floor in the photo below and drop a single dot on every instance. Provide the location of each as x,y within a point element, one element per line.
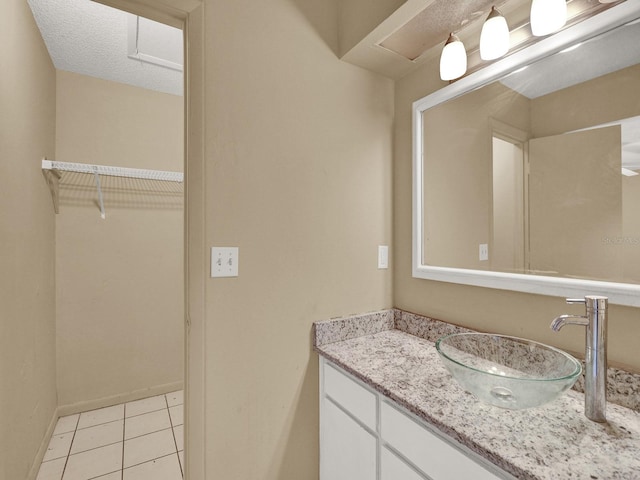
<point>141,440</point>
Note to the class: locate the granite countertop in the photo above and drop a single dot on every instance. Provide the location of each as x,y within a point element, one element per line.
<point>555,441</point>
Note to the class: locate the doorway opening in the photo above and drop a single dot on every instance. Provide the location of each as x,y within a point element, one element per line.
<point>509,204</point>
<point>120,278</point>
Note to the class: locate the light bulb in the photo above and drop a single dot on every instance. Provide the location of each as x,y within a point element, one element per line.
<point>453,61</point>
<point>547,16</point>
<point>494,39</point>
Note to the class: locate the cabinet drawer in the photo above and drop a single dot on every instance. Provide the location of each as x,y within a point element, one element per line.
<point>348,451</point>
<point>350,395</point>
<point>432,455</point>
<point>392,468</point>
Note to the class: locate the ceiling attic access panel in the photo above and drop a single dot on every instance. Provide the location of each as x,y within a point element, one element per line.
<point>432,26</point>
<point>96,40</point>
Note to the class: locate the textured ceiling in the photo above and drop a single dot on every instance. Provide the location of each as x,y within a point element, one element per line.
<point>424,35</point>
<point>93,39</point>
<point>433,25</point>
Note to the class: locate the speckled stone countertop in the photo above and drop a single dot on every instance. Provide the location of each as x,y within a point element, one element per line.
<point>555,441</point>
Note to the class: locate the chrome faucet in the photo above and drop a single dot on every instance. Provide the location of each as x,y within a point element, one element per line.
<point>595,375</point>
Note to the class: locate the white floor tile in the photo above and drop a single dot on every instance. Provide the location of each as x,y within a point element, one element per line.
<point>97,436</point>
<point>148,447</point>
<point>178,433</point>
<point>181,458</point>
<point>52,470</point>
<point>165,468</point>
<point>177,415</point>
<point>146,405</point>
<point>102,415</point>
<point>66,424</point>
<point>175,398</point>
<point>59,446</point>
<point>95,442</point>
<point>147,423</point>
<point>111,476</point>
<point>93,463</point>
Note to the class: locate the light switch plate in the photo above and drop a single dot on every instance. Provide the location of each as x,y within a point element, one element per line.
<point>383,256</point>
<point>224,262</point>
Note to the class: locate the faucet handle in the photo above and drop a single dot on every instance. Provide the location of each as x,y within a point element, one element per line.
<point>571,301</point>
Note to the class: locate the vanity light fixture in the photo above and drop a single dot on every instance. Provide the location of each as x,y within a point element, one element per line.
<point>494,38</point>
<point>453,60</point>
<point>547,16</point>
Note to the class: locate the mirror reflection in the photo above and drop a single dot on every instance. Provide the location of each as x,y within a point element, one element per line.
<point>537,173</point>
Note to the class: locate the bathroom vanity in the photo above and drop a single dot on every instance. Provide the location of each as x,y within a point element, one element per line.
<point>389,410</point>
<point>363,433</point>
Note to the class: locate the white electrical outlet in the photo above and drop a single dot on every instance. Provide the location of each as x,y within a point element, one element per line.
<point>484,252</point>
<point>224,262</point>
<point>383,256</point>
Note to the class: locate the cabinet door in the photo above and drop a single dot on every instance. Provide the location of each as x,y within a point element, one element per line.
<point>392,468</point>
<point>347,450</point>
<point>437,459</point>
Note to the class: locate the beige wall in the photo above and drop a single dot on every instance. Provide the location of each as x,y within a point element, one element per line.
<point>119,280</point>
<point>298,176</point>
<point>27,294</point>
<point>483,309</point>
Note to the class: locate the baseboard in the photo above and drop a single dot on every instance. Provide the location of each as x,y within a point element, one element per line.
<point>44,444</point>
<point>87,405</point>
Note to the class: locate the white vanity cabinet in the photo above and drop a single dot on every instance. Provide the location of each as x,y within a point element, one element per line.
<point>347,449</point>
<point>393,467</point>
<point>348,438</point>
<point>364,435</point>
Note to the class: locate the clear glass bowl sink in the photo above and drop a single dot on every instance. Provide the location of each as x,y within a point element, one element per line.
<point>508,372</point>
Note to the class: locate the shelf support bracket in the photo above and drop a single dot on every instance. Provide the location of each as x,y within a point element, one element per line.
<point>52,176</point>
<point>100,199</point>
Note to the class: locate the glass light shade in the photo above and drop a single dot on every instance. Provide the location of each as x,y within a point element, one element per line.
<point>547,16</point>
<point>494,39</point>
<point>453,61</point>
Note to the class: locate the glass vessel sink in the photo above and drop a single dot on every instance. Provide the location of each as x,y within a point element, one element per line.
<point>508,372</point>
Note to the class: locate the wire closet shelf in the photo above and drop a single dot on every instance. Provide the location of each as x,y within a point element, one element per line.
<point>53,173</point>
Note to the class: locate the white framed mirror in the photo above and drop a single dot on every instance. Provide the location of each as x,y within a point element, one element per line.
<point>524,172</point>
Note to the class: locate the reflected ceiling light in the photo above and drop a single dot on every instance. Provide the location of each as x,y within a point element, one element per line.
<point>572,47</point>
<point>494,38</point>
<point>453,61</point>
<point>547,16</point>
<point>628,172</point>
